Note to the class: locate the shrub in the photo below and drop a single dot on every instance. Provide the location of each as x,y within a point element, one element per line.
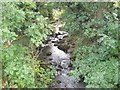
<point>17,67</point>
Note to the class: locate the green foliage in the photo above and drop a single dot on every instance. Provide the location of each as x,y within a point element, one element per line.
<point>12,17</point>
<point>21,18</point>
<point>38,31</point>
<point>96,56</point>
<point>70,26</point>
<point>17,67</point>
<point>44,75</point>
<point>7,35</point>
<point>116,4</point>
<point>22,22</point>
<point>97,73</point>
<point>103,75</point>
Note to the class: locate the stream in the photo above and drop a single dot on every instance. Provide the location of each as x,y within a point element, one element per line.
<point>57,52</point>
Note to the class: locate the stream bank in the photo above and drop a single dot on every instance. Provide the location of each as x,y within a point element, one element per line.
<point>58,51</point>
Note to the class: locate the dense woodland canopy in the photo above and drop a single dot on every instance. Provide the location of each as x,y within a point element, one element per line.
<point>93,26</point>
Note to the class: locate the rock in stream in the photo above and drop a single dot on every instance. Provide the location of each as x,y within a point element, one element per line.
<point>56,55</point>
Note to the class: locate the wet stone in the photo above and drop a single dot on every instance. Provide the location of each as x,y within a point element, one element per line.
<point>58,81</point>
<point>57,52</point>
<point>65,64</point>
<point>50,58</point>
<point>55,40</point>
<point>48,53</point>
<point>60,37</point>
<point>58,69</point>
<point>55,44</point>
<point>64,47</point>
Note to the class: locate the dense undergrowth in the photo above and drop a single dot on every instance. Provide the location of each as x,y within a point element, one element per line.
<point>24,28</point>
<point>96,54</point>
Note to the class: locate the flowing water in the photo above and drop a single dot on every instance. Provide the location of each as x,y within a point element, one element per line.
<point>61,60</point>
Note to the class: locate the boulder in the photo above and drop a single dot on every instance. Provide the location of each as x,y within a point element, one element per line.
<point>61,32</point>
<point>51,38</point>
<point>61,41</point>
<point>63,47</point>
<point>65,35</point>
<point>48,53</point>
<point>55,40</point>
<point>65,63</point>
<point>50,58</point>
<point>60,37</point>
<point>55,44</point>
